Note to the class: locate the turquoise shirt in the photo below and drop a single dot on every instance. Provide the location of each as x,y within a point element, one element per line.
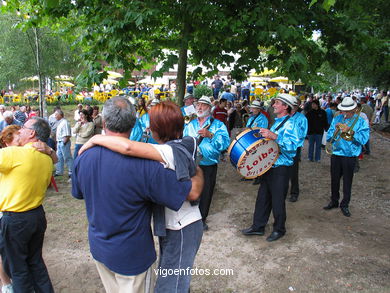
<point>351,148</point>
<point>210,148</point>
<point>288,141</point>
<point>138,131</point>
<point>259,121</point>
<point>300,122</point>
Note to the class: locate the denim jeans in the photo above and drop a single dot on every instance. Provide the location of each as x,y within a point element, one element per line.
<point>77,147</point>
<point>64,156</point>
<point>177,252</point>
<point>386,112</point>
<point>315,141</point>
<point>21,240</point>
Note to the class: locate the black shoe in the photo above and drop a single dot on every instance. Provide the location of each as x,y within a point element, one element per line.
<point>245,179</point>
<point>293,198</point>
<point>331,205</point>
<point>257,181</point>
<point>274,236</point>
<point>205,227</point>
<point>250,231</point>
<point>345,211</point>
<point>56,175</point>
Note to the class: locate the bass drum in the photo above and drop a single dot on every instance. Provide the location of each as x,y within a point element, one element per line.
<point>251,154</point>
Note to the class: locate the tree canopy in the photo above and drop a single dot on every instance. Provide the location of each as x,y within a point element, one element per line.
<point>17,51</point>
<point>269,33</point>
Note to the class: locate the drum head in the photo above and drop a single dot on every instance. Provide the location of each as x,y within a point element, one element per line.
<point>258,158</point>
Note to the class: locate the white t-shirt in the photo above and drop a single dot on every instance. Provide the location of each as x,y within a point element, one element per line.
<point>187,214</point>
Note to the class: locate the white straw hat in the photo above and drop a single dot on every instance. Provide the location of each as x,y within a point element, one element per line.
<point>347,104</point>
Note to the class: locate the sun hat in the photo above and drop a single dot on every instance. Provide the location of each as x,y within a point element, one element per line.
<point>205,100</point>
<point>287,99</point>
<point>347,104</point>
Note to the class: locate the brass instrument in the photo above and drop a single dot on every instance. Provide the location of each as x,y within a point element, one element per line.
<point>338,134</point>
<point>189,118</point>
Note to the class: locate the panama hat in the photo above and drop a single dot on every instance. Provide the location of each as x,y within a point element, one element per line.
<point>287,99</point>
<point>255,104</point>
<point>188,96</point>
<point>205,100</point>
<point>347,104</point>
<point>155,102</point>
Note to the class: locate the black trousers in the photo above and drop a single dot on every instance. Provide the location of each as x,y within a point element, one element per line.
<point>21,249</point>
<point>341,167</point>
<point>294,174</point>
<point>272,196</point>
<point>210,177</point>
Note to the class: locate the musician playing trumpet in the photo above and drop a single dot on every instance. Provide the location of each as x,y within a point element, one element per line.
<point>213,138</point>
<point>347,134</point>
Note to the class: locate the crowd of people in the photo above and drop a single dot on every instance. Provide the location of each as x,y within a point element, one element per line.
<point>180,149</point>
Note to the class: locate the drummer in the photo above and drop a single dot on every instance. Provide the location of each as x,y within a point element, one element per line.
<point>274,184</point>
<point>213,138</point>
<point>257,119</point>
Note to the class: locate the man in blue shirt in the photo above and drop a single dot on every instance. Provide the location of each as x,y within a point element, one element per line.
<point>118,191</point>
<point>344,152</point>
<point>213,138</point>
<point>274,183</point>
<point>216,85</point>
<point>227,95</point>
<point>8,120</point>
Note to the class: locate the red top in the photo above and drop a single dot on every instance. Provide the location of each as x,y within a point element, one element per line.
<point>220,114</point>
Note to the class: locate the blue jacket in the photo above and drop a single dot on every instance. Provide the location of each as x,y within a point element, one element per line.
<point>351,148</point>
<point>259,121</point>
<point>300,122</point>
<point>210,148</point>
<point>139,130</point>
<point>289,139</point>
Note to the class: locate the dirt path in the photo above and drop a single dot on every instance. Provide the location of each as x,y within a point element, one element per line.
<point>323,251</point>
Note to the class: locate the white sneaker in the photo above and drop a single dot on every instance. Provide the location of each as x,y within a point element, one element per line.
<point>7,289</point>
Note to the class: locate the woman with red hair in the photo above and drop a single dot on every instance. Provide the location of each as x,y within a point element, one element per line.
<point>181,234</point>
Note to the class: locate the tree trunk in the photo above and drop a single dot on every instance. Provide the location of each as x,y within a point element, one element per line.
<point>42,100</point>
<point>182,65</point>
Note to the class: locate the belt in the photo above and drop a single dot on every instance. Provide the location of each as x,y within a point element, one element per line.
<point>29,211</point>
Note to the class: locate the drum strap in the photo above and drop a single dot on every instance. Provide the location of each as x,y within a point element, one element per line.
<point>254,120</point>
<point>207,127</point>
<point>282,123</point>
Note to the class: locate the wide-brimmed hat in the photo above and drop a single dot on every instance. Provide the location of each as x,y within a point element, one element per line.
<point>255,104</point>
<point>205,100</point>
<point>287,99</point>
<point>347,104</point>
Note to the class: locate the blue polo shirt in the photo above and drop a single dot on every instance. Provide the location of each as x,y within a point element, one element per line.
<point>118,191</point>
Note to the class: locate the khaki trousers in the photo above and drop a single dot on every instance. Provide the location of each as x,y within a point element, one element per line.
<point>117,283</point>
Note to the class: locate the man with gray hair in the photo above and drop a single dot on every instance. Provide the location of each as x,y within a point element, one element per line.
<point>63,135</point>
<point>25,176</point>
<point>8,120</point>
<point>2,110</point>
<point>118,191</point>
